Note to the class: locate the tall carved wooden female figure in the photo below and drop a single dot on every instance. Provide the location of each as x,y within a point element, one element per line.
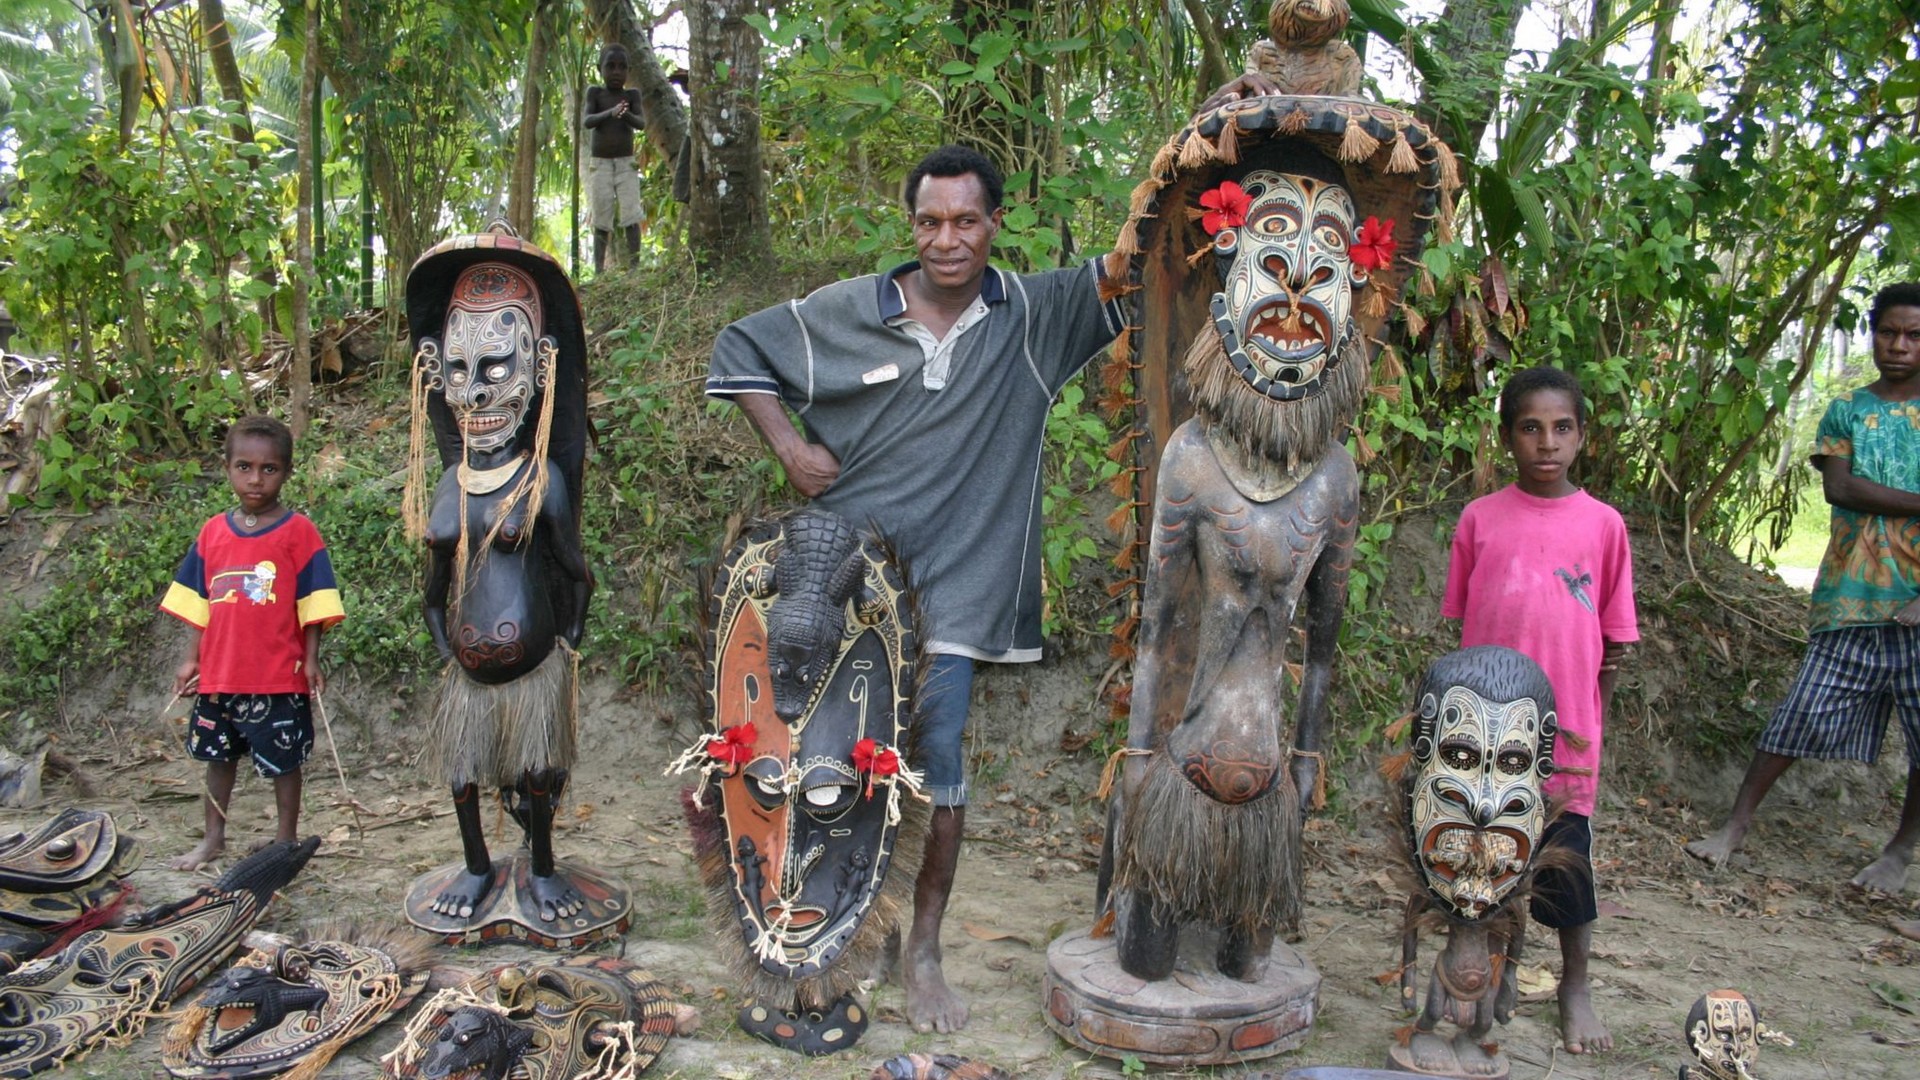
<point>1265,250</point>
<point>500,372</point>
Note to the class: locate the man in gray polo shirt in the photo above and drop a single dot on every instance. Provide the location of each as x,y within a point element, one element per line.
<point>924,395</point>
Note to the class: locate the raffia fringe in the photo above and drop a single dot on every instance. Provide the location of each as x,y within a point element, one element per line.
<point>379,996</point>
<point>1294,122</point>
<point>1111,771</point>
<point>1228,146</point>
<point>1403,159</point>
<point>1358,144</point>
<point>1197,151</point>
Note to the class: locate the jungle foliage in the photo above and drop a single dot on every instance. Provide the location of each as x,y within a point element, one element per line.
<point>1680,202</point>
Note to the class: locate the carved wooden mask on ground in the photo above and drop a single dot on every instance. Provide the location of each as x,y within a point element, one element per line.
<point>1483,734</point>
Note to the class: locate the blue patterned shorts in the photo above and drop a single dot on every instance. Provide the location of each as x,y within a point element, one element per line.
<point>277,729</point>
<point>1852,680</point>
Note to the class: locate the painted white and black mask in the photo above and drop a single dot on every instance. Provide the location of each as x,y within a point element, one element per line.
<point>1723,1031</point>
<point>1483,735</point>
<point>1286,311</point>
<point>495,362</point>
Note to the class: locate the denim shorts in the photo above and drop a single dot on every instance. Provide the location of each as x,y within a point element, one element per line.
<point>944,698</point>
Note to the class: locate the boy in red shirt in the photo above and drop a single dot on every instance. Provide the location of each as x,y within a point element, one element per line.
<point>257,589</point>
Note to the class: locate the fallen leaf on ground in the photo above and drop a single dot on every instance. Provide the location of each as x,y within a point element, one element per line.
<point>988,933</point>
<point>1615,911</point>
<point>1535,983</point>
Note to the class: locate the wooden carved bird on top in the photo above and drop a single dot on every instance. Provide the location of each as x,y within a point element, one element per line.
<point>1305,53</point>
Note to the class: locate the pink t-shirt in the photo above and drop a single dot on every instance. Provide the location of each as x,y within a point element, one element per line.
<point>1552,578</point>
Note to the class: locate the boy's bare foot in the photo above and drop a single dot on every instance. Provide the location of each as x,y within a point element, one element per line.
<point>1887,874</point>
<point>1580,1029</point>
<point>209,850</point>
<point>1715,850</point>
<point>463,894</point>
<point>931,1003</point>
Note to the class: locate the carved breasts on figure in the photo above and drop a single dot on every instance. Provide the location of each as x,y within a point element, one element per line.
<point>1472,812</point>
<point>500,377</point>
<point>807,817</point>
<point>1264,252</point>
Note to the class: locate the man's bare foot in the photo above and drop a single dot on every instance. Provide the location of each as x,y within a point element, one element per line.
<point>931,1003</point>
<point>463,894</point>
<point>1580,1029</point>
<point>209,850</point>
<point>1715,850</point>
<point>557,896</point>
<point>1887,874</point>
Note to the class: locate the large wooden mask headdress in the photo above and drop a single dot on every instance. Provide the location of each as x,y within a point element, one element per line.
<point>1264,252</point>
<point>1484,727</point>
<point>808,815</point>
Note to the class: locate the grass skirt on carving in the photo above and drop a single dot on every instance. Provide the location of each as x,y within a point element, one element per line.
<point>494,733</point>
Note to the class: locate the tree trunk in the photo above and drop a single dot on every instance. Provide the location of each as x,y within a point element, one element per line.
<point>300,377</point>
<point>226,69</point>
<point>666,117</point>
<point>1473,39</point>
<point>727,213</point>
<point>526,150</point>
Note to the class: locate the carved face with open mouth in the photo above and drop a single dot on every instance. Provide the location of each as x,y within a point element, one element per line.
<point>1286,310</point>
<point>1480,756</point>
<point>493,354</point>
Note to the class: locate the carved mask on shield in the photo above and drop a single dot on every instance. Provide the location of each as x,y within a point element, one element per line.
<point>1285,313</point>
<point>813,666</point>
<point>1723,1031</point>
<point>1483,734</point>
<point>495,361</point>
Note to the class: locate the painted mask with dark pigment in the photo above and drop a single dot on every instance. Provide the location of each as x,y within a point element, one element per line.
<point>1285,312</point>
<point>814,662</point>
<point>1483,735</point>
<point>493,360</point>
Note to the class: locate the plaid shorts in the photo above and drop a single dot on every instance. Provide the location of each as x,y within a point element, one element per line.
<point>1851,679</point>
<point>275,729</point>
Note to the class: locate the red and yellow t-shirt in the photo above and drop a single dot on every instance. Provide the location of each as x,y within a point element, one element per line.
<point>255,594</point>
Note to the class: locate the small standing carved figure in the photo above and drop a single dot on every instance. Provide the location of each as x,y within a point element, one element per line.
<point>1473,812</point>
<point>500,372</point>
<point>1724,1034</point>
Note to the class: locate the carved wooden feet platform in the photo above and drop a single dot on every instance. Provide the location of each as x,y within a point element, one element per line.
<point>1195,1017</point>
<point>1458,1058</point>
<point>510,912</point>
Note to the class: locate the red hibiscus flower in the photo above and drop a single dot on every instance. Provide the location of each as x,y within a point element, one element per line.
<point>734,746</point>
<point>1226,208</point>
<point>1374,245</point>
<point>875,760</point>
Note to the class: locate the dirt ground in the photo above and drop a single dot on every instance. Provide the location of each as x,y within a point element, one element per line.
<point>1781,924</point>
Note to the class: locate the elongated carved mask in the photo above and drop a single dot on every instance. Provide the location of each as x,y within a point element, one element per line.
<point>1483,735</point>
<point>813,657</point>
<point>1286,311</point>
<point>495,361</point>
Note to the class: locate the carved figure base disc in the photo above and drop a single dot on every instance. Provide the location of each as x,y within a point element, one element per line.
<point>1430,1054</point>
<point>509,911</point>
<point>1194,1017</point>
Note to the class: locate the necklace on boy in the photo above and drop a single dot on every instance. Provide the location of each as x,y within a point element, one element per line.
<point>249,521</point>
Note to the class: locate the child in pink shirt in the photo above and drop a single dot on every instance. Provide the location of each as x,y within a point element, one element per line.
<point>1543,567</point>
